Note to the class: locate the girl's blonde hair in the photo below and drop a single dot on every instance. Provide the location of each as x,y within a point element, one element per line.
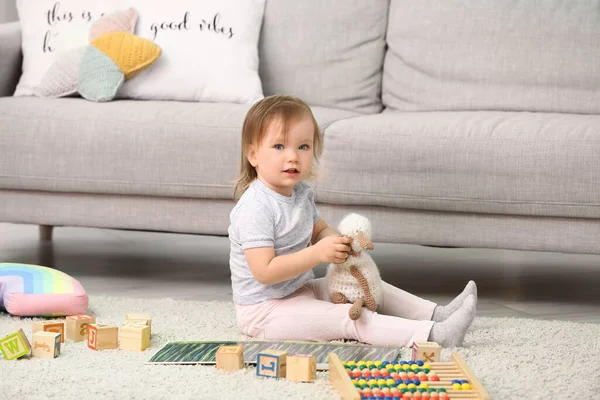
<point>286,110</point>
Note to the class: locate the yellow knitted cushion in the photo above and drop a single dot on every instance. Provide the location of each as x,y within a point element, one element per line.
<point>131,53</point>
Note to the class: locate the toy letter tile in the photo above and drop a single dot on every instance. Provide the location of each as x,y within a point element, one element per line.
<point>46,344</point>
<point>50,326</point>
<point>301,368</point>
<point>271,364</point>
<point>77,327</point>
<point>426,351</point>
<point>15,345</point>
<point>230,358</point>
<point>103,336</point>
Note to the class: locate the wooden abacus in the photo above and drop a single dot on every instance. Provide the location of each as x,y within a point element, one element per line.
<point>456,369</point>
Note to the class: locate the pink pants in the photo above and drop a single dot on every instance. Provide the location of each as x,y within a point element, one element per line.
<point>308,315</point>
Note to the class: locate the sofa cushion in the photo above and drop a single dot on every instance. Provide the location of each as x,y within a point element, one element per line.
<point>487,162</point>
<point>327,52</point>
<point>124,147</point>
<point>493,55</point>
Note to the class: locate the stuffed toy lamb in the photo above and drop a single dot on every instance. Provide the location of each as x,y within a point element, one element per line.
<point>357,280</point>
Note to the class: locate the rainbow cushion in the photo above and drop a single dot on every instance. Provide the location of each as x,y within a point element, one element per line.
<point>32,290</point>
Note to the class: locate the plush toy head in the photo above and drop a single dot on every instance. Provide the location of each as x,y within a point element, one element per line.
<point>358,228</point>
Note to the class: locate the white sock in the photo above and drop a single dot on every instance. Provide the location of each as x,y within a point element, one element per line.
<point>452,332</point>
<point>440,313</point>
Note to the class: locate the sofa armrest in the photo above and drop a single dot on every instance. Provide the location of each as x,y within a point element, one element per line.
<point>10,57</point>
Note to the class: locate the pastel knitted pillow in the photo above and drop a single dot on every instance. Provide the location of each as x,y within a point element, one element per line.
<point>112,59</point>
<point>97,71</point>
<point>119,21</point>
<point>99,77</point>
<point>61,78</point>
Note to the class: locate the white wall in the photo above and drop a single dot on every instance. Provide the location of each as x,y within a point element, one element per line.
<point>8,11</point>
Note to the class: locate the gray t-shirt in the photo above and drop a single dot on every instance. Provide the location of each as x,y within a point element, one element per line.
<point>264,218</point>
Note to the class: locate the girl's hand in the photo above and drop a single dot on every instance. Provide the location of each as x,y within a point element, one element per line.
<point>333,249</point>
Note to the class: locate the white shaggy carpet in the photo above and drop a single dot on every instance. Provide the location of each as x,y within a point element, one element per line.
<point>512,357</point>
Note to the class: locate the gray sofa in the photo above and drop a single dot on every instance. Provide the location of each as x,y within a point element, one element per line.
<point>447,123</point>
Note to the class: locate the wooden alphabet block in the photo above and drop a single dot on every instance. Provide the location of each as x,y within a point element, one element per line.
<point>301,368</point>
<point>103,336</point>
<point>46,344</point>
<point>15,345</point>
<point>426,351</point>
<point>230,358</point>
<point>134,337</point>
<point>135,323</point>
<point>271,363</point>
<point>77,327</point>
<point>145,318</point>
<point>50,326</point>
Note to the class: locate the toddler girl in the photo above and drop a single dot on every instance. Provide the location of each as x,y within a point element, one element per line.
<point>277,238</point>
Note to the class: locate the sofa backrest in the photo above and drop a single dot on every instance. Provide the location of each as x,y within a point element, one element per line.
<point>327,52</point>
<point>493,54</point>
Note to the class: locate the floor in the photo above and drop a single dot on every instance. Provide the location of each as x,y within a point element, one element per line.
<point>158,265</point>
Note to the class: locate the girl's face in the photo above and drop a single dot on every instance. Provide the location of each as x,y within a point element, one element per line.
<point>282,164</point>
